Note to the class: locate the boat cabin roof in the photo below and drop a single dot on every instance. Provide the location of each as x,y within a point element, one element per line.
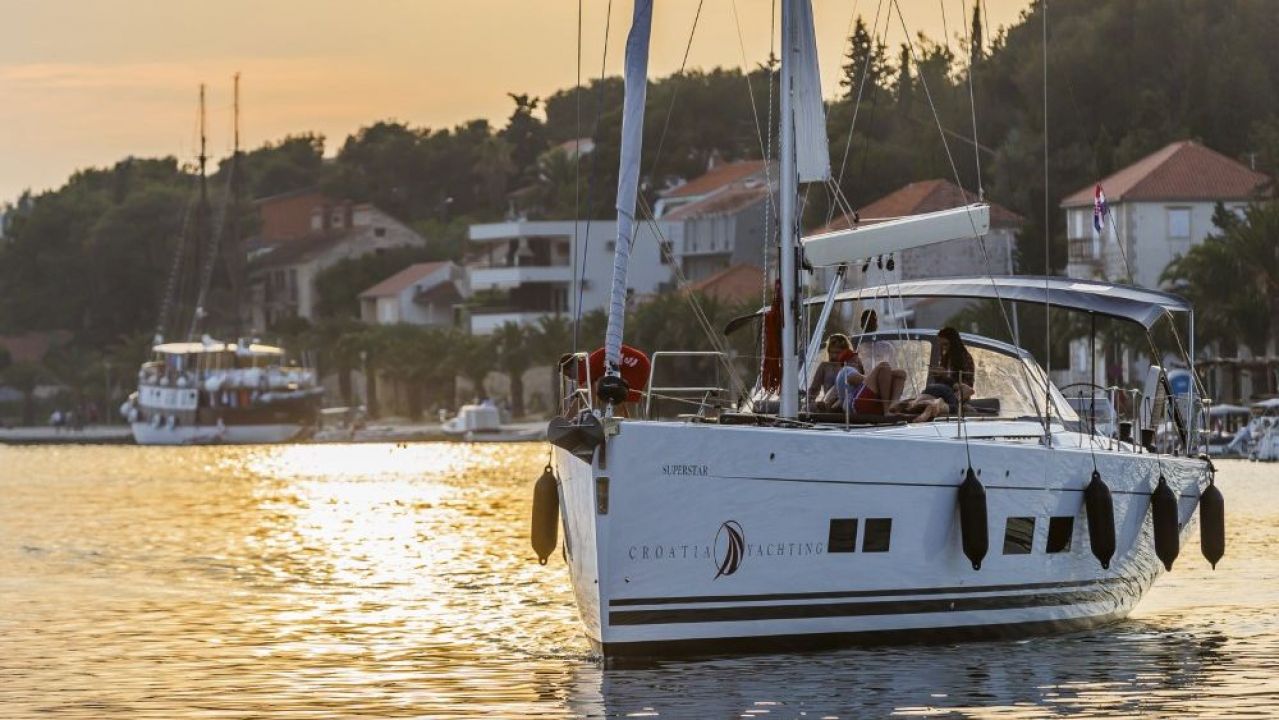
<point>1092,296</point>
<point>196,348</point>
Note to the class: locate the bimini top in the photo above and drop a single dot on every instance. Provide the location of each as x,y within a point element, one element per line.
<point>1122,301</point>
<point>195,348</point>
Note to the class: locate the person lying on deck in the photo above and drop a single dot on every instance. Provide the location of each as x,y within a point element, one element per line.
<point>950,380</point>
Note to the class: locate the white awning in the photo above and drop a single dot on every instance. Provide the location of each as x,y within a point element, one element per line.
<point>890,236</point>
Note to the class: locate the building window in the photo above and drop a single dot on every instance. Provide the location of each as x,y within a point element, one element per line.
<point>1019,535</point>
<point>1179,223</point>
<point>879,532</point>
<point>611,245</point>
<point>1059,531</point>
<point>843,535</point>
<point>667,250</point>
<point>379,232</point>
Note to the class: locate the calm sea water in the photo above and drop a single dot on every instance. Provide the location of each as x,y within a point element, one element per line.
<point>383,581</point>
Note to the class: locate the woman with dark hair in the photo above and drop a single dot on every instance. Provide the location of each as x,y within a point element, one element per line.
<point>950,380</point>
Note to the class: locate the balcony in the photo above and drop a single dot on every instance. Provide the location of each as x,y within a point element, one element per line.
<point>1083,251</point>
<point>506,278</point>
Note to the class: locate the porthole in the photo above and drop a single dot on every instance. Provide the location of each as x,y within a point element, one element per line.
<point>1060,530</point>
<point>879,533</point>
<point>1019,535</point>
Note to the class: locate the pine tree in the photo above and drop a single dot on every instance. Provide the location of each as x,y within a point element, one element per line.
<point>905,83</point>
<point>865,58</point>
<point>976,51</point>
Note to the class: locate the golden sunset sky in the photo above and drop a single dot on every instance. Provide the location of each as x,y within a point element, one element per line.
<point>88,82</point>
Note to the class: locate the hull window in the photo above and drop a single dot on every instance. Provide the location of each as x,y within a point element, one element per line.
<point>843,535</point>
<point>1019,535</point>
<point>879,532</point>
<point>1060,530</point>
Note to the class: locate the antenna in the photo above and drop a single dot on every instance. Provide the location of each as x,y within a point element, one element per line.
<point>236,147</point>
<point>203,156</point>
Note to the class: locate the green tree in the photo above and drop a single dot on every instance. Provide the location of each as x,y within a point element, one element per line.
<point>25,377</point>
<point>866,63</point>
<point>511,344</point>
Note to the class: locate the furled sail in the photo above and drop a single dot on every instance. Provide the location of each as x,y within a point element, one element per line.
<point>628,174</point>
<point>812,153</point>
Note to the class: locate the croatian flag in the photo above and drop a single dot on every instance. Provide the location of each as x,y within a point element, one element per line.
<point>1099,209</point>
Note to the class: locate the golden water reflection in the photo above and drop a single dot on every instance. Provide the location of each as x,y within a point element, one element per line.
<point>397,581</point>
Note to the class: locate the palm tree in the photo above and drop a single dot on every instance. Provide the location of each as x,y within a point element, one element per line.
<point>25,377</point>
<point>1233,279</point>
<point>472,357</point>
<point>511,342</point>
<point>547,341</point>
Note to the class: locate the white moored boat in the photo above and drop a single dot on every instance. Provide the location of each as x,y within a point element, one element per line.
<point>774,528</point>
<point>221,393</point>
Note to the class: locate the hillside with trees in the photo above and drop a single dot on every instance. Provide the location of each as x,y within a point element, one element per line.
<point>1124,78</point>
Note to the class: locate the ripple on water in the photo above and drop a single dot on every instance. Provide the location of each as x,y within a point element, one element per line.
<point>396,581</point>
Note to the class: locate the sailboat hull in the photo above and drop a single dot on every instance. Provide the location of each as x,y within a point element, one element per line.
<point>699,538</point>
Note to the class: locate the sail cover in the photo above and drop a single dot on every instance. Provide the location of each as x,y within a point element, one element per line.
<point>897,234</point>
<point>812,153</point>
<point>628,174</point>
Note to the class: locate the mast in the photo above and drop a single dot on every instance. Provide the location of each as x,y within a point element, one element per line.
<point>805,158</point>
<point>235,253</point>
<point>201,224</point>
<point>788,404</point>
<point>612,388</point>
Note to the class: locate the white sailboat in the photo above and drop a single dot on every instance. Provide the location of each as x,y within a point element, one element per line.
<point>753,531</point>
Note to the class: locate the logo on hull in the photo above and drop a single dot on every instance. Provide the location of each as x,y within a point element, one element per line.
<point>730,546</point>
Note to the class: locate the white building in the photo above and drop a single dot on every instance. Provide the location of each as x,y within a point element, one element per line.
<point>717,219</point>
<point>420,294</point>
<point>1160,207</point>
<point>522,270</point>
<point>282,278</point>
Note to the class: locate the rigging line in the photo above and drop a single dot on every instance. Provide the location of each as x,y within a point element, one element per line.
<point>750,89</point>
<point>972,101</point>
<point>699,314</point>
<point>1048,361</point>
<point>670,110</point>
<point>590,184</point>
<point>215,243</point>
<point>861,87</point>
<point>955,171</point>
<point>577,164</point>
<point>759,132</point>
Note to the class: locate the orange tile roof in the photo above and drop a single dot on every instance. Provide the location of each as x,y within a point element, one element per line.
<point>715,178</point>
<point>32,346</point>
<point>1183,170</point>
<point>403,279</point>
<point>923,197</point>
<point>737,284</point>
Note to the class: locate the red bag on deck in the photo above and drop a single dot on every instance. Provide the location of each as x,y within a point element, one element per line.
<point>770,373</point>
